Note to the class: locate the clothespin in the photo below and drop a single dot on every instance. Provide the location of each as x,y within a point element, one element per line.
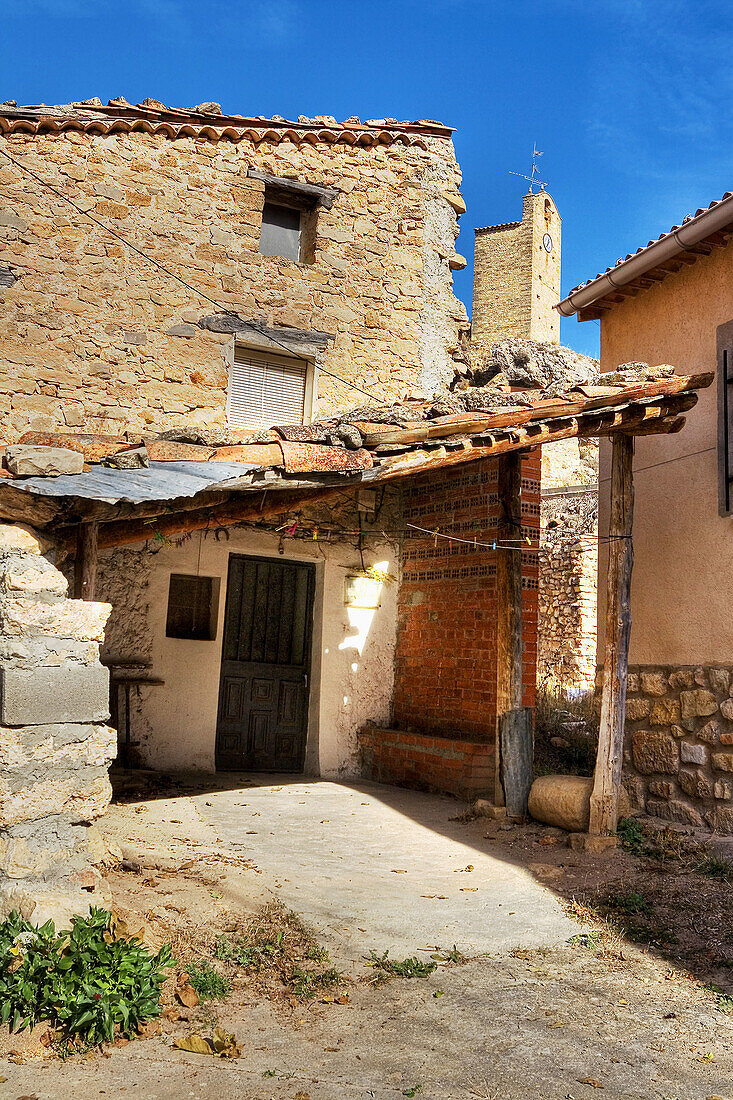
<point>435,540</point>
<point>315,534</point>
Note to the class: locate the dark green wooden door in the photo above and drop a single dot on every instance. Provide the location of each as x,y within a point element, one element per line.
<point>263,696</point>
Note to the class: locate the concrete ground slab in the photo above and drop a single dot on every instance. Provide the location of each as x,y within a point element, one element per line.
<point>372,866</point>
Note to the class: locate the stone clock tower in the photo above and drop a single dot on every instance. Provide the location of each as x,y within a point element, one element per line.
<point>516,278</point>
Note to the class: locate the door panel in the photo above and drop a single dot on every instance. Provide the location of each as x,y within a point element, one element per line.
<point>263,698</point>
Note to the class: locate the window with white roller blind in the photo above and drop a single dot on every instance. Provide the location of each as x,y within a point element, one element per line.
<point>266,389</point>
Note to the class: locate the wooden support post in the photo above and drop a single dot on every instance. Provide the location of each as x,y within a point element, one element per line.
<point>85,564</point>
<point>604,799</point>
<point>514,743</point>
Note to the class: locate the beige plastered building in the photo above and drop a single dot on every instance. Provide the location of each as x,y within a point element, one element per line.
<point>672,302</point>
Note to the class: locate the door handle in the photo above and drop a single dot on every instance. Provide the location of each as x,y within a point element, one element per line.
<point>305,679</point>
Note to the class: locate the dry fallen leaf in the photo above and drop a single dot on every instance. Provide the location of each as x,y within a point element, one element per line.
<point>396,871</point>
<point>220,1045</point>
<point>463,870</point>
<point>590,1081</point>
<point>187,995</point>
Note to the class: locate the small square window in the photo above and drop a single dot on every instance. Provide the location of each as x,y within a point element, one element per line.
<point>280,234</point>
<point>193,604</point>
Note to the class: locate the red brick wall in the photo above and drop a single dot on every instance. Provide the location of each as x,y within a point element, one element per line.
<point>445,673</point>
<point>462,768</point>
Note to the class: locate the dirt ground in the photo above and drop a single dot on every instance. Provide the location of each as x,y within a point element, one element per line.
<point>636,1004</point>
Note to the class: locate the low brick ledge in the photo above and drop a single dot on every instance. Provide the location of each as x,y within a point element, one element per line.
<point>425,761</point>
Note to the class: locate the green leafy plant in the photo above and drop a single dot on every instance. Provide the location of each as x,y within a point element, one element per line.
<point>631,835</point>
<point>209,984</point>
<point>408,968</point>
<point>629,903</point>
<point>89,983</point>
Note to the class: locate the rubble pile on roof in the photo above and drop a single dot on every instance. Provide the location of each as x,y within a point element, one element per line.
<point>491,415</point>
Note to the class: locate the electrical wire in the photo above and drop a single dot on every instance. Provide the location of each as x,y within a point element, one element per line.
<point>252,325</point>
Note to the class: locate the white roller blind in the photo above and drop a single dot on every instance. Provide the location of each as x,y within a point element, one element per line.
<point>265,389</point>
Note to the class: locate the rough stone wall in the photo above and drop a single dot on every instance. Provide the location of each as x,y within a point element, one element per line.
<point>445,674</point>
<point>568,589</point>
<point>55,747</point>
<point>678,756</point>
<point>92,336</point>
<point>516,282</point>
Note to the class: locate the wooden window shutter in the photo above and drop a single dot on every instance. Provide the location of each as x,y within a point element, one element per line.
<point>265,389</point>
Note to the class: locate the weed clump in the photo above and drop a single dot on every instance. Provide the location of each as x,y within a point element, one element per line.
<point>408,968</point>
<point>209,984</point>
<point>90,983</point>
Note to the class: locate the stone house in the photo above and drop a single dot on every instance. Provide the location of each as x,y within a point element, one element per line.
<point>672,301</point>
<point>271,578</point>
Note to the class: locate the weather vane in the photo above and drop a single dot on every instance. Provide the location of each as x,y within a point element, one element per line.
<point>534,178</point>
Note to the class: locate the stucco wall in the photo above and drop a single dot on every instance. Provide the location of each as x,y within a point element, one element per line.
<point>683,550</point>
<point>352,659</point>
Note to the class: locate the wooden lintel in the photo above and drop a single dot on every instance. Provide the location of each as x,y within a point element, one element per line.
<point>256,506</point>
<point>85,563</point>
<point>609,759</point>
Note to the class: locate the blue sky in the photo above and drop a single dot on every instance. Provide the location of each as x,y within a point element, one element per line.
<point>630,100</point>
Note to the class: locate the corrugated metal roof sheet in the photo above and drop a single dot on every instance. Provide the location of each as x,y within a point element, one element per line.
<point>159,481</point>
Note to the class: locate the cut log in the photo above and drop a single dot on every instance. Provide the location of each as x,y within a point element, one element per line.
<point>607,776</point>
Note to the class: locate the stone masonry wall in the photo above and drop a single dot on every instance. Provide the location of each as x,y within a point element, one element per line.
<point>568,589</point>
<point>678,757</point>
<point>93,337</point>
<point>55,747</point>
<point>516,281</point>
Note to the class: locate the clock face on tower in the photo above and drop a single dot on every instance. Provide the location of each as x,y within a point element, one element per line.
<point>547,242</point>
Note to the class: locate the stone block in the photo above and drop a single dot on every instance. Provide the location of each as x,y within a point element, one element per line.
<point>24,575</point>
<point>723,790</point>
<point>726,709</point>
<point>661,788</point>
<point>76,797</point>
<point>719,680</point>
<point>710,732</point>
<point>698,703</point>
<point>693,754</point>
<point>30,461</point>
<point>720,818</point>
<point>483,808</point>
<point>637,709</point>
<point>681,679</point>
<point>81,620</point>
<point>695,784</point>
<point>653,683</point>
<point>665,712</point>
<point>564,801</point>
<point>655,752</point>
<point>675,810</point>
<point>16,538</point>
<point>723,761</point>
<point>35,697</point>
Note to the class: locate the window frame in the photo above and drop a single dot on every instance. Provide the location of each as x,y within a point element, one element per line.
<point>213,611</point>
<point>725,418</point>
<point>255,351</point>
